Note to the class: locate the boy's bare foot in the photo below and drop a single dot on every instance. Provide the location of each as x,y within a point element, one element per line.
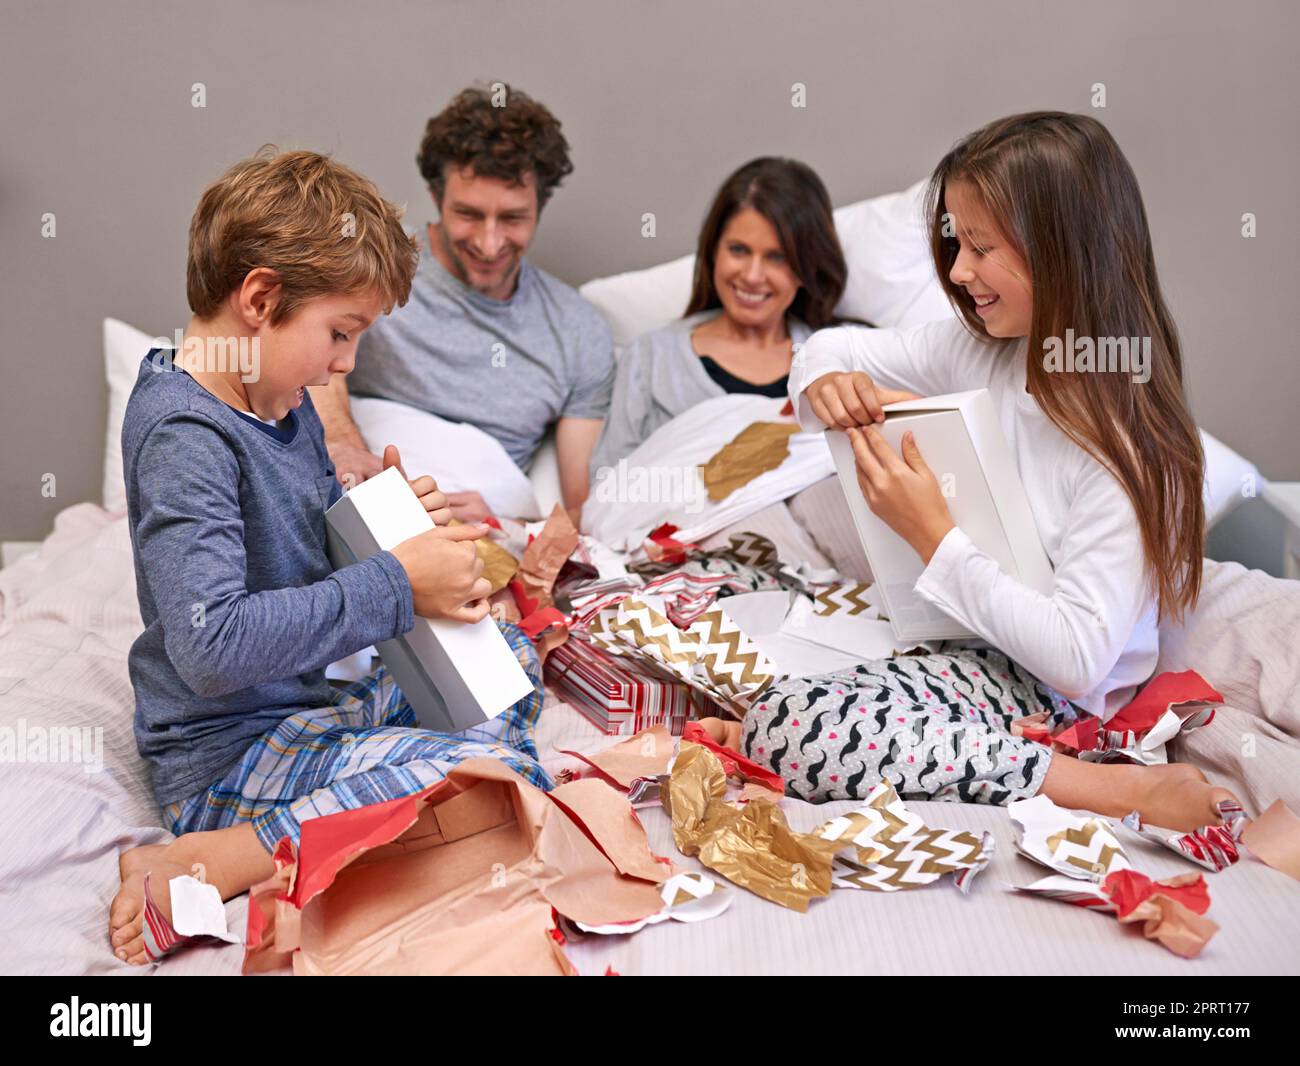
<point>232,861</point>
<point>126,912</point>
<point>1179,801</point>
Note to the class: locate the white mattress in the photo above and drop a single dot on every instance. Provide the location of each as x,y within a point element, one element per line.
<point>68,616</point>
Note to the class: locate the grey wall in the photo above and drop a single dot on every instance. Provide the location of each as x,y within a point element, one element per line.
<point>659,101</point>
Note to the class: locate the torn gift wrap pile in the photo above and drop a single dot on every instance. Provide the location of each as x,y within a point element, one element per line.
<point>620,695</point>
<point>1169,704</point>
<point>483,873</point>
<point>880,846</point>
<point>896,850</point>
<point>1092,870</point>
<point>1211,846</point>
<point>691,584</point>
<point>662,645</point>
<point>709,633</point>
<point>711,654</point>
<point>465,877</point>
<point>632,765</point>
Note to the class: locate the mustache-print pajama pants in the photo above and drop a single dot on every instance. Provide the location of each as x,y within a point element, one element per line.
<point>937,726</point>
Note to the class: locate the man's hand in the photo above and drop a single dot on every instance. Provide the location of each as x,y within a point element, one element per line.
<point>354,464</point>
<point>434,501</point>
<point>851,399</point>
<point>446,573</point>
<point>468,506</point>
<point>901,490</point>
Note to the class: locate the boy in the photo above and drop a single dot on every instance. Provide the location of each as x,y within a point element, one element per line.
<point>291,257</point>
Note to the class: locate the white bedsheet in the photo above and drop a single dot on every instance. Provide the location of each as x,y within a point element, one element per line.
<point>68,616</point>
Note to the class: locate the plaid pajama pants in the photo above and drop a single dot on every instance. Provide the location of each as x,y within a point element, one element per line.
<point>937,726</point>
<point>362,749</point>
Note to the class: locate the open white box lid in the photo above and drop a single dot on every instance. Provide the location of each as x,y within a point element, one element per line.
<point>962,442</point>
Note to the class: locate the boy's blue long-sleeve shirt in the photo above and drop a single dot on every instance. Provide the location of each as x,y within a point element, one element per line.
<point>241,607</point>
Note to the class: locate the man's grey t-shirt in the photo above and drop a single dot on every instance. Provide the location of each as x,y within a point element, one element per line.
<point>510,367</point>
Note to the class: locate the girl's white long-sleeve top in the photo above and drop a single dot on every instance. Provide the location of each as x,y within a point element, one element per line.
<point>1094,639</point>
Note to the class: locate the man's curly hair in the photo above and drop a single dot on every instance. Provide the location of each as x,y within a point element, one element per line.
<point>503,141</point>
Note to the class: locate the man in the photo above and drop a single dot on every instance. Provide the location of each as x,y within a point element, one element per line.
<point>486,338</point>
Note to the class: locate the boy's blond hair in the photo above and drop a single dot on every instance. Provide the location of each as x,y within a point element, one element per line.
<point>321,226</point>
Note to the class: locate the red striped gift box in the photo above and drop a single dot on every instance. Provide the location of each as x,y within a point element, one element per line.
<point>621,695</point>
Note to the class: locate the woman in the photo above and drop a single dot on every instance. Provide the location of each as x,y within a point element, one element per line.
<point>768,271</point>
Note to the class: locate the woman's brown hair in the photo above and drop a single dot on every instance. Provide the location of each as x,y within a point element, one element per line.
<point>791,196</point>
<point>1066,198</point>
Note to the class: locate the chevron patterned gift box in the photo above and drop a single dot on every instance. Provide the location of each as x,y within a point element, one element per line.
<point>621,695</point>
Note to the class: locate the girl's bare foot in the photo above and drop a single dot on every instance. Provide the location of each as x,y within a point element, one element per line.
<point>723,732</point>
<point>1178,800</point>
<point>1178,769</point>
<point>126,912</point>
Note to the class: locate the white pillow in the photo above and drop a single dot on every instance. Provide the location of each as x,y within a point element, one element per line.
<point>891,278</point>
<point>544,474</point>
<point>638,301</point>
<point>886,242</point>
<point>460,457</point>
<point>124,347</point>
<point>1228,479</point>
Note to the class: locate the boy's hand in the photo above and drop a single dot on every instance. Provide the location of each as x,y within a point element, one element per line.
<point>851,399</point>
<point>902,490</point>
<point>446,573</point>
<point>435,502</point>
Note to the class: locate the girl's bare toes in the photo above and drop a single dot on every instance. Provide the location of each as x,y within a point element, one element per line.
<point>1182,802</point>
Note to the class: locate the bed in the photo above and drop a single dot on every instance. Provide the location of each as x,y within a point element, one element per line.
<point>68,615</point>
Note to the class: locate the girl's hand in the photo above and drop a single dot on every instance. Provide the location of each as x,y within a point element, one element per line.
<point>434,501</point>
<point>902,491</point>
<point>851,399</point>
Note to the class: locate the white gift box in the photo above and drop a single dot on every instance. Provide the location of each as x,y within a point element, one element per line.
<point>960,439</point>
<point>454,675</point>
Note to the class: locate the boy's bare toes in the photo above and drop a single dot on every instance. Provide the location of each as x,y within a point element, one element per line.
<point>126,912</point>
<point>132,951</point>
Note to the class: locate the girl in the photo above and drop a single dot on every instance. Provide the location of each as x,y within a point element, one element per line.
<point>1037,228</point>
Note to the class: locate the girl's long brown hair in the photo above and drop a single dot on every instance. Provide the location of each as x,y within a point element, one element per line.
<point>1068,201</point>
<point>791,196</point>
